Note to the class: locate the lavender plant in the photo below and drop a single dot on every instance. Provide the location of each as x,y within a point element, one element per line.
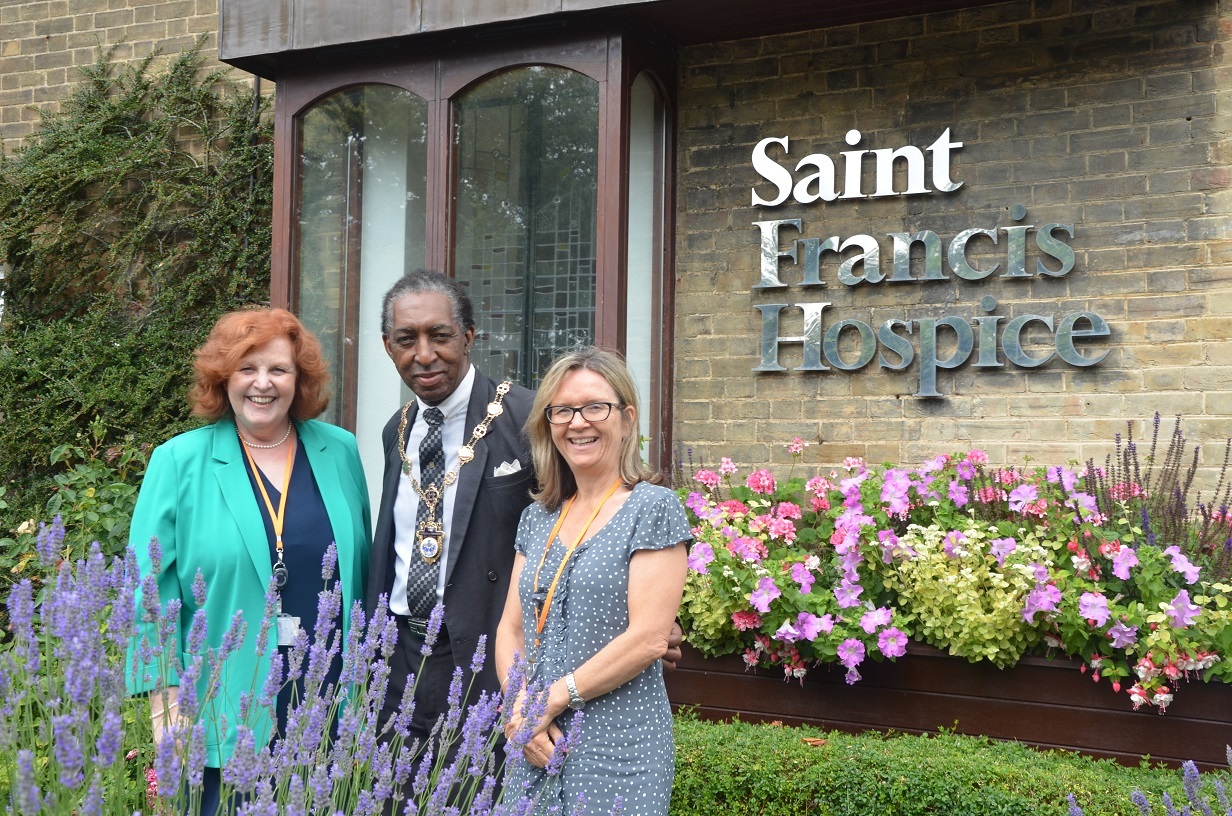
<point>73,742</point>
<point>1199,802</point>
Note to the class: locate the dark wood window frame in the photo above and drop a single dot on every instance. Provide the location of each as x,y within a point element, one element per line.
<point>439,73</point>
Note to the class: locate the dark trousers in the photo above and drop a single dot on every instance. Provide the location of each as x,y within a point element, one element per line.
<point>431,676</point>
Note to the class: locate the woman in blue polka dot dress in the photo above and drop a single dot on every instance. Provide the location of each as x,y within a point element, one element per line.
<point>597,580</point>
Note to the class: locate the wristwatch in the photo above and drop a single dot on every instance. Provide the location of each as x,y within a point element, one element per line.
<point>576,701</point>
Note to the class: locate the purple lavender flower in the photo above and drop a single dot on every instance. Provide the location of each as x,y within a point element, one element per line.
<point>167,765</point>
<point>21,616</point>
<point>26,793</point>
<point>329,562</point>
<point>1140,800</point>
<point>561,751</point>
<point>481,652</point>
<point>434,629</point>
<point>233,637</point>
<point>92,804</point>
<point>68,753</point>
<point>1074,810</point>
<point>48,543</point>
<point>244,769</point>
<point>196,756</point>
<point>198,588</point>
<point>110,740</point>
<point>156,555</point>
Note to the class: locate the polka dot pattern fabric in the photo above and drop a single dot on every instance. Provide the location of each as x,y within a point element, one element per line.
<point>625,748</point>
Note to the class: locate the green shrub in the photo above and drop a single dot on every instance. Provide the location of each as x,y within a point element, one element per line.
<point>744,769</point>
<point>135,217</point>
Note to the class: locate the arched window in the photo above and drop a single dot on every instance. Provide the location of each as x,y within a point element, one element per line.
<point>536,175</point>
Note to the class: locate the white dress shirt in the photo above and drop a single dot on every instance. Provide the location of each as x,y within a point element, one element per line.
<point>406,504</point>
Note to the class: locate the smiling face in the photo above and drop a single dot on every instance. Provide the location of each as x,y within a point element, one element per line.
<point>590,448</point>
<point>262,389</point>
<point>430,350</point>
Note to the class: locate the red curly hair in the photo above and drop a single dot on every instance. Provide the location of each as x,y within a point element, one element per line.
<point>238,334</point>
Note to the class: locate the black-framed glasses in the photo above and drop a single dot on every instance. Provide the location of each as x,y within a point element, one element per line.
<point>591,412</point>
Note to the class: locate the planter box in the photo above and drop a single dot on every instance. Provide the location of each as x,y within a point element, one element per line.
<point>1040,702</point>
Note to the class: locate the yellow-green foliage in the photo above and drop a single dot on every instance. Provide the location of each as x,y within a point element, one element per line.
<point>955,595</point>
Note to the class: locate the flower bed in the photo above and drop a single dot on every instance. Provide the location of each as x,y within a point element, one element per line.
<point>1109,565</point>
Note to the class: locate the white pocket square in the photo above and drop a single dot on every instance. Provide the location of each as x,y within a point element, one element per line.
<point>507,468</point>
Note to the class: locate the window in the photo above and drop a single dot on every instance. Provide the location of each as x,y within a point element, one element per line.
<point>535,174</point>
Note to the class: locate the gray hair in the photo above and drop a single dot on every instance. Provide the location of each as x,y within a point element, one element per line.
<point>426,280</point>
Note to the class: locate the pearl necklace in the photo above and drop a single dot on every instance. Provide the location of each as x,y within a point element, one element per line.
<point>285,437</point>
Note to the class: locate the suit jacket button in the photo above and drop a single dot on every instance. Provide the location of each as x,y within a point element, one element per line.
<point>492,576</point>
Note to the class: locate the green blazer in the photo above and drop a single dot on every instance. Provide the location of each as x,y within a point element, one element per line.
<point>197,500</point>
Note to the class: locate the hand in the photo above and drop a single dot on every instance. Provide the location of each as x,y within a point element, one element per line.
<point>539,750</point>
<point>673,654</point>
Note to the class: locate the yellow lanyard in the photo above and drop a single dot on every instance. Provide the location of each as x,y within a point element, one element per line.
<point>280,516</point>
<point>542,617</point>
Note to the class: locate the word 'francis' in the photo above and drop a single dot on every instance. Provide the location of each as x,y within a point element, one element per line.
<point>1019,252</point>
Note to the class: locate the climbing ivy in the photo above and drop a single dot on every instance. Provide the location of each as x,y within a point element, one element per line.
<point>137,215</point>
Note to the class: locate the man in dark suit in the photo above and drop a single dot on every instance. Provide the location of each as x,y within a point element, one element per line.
<point>447,522</point>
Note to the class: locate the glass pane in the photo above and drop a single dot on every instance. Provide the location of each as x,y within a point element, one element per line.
<point>360,217</point>
<point>527,158</point>
<point>644,325</point>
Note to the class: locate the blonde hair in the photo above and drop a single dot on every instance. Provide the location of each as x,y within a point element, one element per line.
<point>556,480</point>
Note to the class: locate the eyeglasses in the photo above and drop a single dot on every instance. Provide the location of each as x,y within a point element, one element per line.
<point>591,412</point>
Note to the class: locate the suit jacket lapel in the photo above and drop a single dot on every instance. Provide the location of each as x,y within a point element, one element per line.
<point>231,471</point>
<point>471,474</point>
<point>329,478</point>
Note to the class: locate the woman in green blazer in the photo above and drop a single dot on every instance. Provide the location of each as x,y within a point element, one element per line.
<point>213,499</point>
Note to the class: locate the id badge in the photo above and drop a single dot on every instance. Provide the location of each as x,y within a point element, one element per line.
<point>288,628</point>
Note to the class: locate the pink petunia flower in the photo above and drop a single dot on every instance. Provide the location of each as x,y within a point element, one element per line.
<point>701,555</point>
<point>761,597</point>
<point>848,594</point>
<point>874,619</point>
<point>810,626</point>
<point>1181,612</point>
<point>787,633</point>
<point>1122,635</point>
<point>1094,607</point>
<point>1001,547</point>
<point>803,576</point>
<point>851,652</point>
<point>1021,496</point>
<point>965,469</point>
<point>958,493</point>
<point>1123,561</point>
<point>1182,565</point>
<point>892,642</point>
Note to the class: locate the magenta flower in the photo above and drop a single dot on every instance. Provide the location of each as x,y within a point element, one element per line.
<point>749,549</point>
<point>781,528</point>
<point>1182,565</point>
<point>977,457</point>
<point>874,619</point>
<point>1044,598</point>
<point>965,469</point>
<point>726,467</point>
<point>701,555</point>
<point>827,623</point>
<point>1021,496</point>
<point>787,633</point>
<point>708,478</point>
<point>1122,635</point>
<point>958,493</point>
<point>762,596</point>
<point>1001,547</point>
<point>894,485</point>
<point>1123,561</point>
<point>953,544</point>
<point>810,626</point>
<point>803,576</point>
<point>892,642</point>
<point>796,446</point>
<point>851,652</point>
<point>1181,612</point>
<point>1093,607</point>
<point>787,510</point>
<point>848,594</point>
<point>761,481</point>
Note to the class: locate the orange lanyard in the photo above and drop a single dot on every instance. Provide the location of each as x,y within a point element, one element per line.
<point>280,516</point>
<point>542,617</point>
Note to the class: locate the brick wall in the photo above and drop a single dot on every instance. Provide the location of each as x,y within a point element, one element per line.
<point>1110,116</point>
<point>41,41</point>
